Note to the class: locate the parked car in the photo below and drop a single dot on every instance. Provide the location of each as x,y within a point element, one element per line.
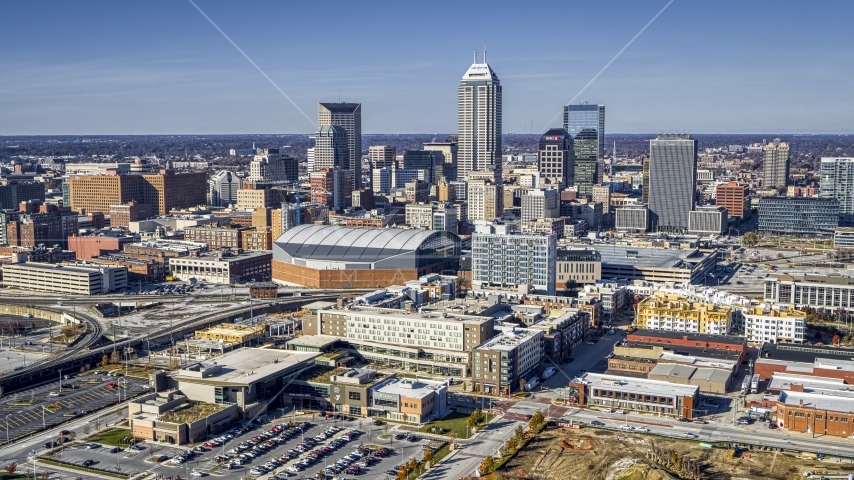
<point>162,458</point>
<point>87,463</point>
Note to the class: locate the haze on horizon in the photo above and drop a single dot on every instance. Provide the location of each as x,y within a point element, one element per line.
<point>159,67</point>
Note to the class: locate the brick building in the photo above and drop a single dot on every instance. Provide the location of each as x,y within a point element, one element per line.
<point>216,237</point>
<point>121,215</point>
<point>88,246</point>
<point>735,198</point>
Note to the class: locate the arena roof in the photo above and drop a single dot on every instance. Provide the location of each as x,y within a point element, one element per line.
<point>320,242</point>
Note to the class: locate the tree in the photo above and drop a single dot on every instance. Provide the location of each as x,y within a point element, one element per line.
<point>835,340</point>
<point>511,444</point>
<point>401,473</point>
<point>521,384</point>
<point>114,358</point>
<point>749,239</point>
<point>536,420</point>
<point>405,418</point>
<point>471,421</point>
<point>44,475</point>
<point>10,469</point>
<point>519,435</point>
<point>453,437</point>
<point>105,360</point>
<point>487,464</point>
<point>428,455</point>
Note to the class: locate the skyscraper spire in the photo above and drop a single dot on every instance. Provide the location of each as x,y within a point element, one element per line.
<point>484,50</point>
<point>475,51</point>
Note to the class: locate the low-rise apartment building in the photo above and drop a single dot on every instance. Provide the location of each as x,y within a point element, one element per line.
<point>819,291</point>
<point>775,325</point>
<point>677,313</point>
<point>224,266</point>
<point>504,363</point>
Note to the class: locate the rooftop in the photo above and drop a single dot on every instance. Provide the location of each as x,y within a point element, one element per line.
<point>190,412</point>
<point>247,365</point>
<point>316,341</point>
<point>833,279</point>
<point>59,267</point>
<point>638,385</point>
<point>391,312</point>
<point>320,374</point>
<point>805,353</point>
<point>651,336</point>
<point>835,401</point>
<point>784,381</point>
<point>410,388</point>
<point>649,257</point>
<point>509,339</point>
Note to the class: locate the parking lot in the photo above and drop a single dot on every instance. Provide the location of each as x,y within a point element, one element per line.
<point>47,406</point>
<point>204,459</point>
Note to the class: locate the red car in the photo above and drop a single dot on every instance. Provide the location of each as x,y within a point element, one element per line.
<point>63,432</point>
<point>354,470</point>
<point>111,385</point>
<point>209,445</point>
<point>162,458</point>
<point>382,452</point>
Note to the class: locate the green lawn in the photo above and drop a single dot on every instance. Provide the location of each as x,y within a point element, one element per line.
<point>455,422</point>
<point>112,437</point>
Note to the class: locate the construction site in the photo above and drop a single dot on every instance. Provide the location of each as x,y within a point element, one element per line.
<point>560,453</point>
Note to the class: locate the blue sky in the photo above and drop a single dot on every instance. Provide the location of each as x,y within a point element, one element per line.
<point>106,67</point>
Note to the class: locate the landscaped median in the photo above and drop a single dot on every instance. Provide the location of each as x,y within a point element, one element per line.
<point>514,444</point>
<point>72,466</point>
<point>115,437</point>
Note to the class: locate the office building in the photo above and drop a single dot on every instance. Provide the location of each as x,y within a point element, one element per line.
<point>645,181</point>
<point>164,192</point>
<point>35,224</point>
<point>410,401</point>
<point>602,194</point>
<point>483,200</point>
<point>843,238</point>
<point>735,198</point>
<point>331,148</point>
<point>122,215</point>
<point>502,363</point>
<point>556,158</point>
<point>223,187</point>
<point>309,159</point>
<point>798,215</point>
<point>216,237</point>
<point>258,238</point>
<point>349,117</point>
<point>586,125</point>
<point>672,173</point>
<point>223,267</point>
<point>343,257</point>
<point>632,218</point>
<point>250,378</point>
<point>331,187</point>
<point>540,203</point>
<point>416,191</point>
<point>432,216</point>
<point>502,259</point>
<point>14,192</point>
<point>447,152</point>
<point>382,179</point>
<point>382,156</point>
<point>634,394</point>
<point>271,165</point>
<point>775,164</point>
<point>837,182</point>
<point>817,291</point>
<point>427,160</point>
<point>578,266</point>
<point>774,325</point>
<point>678,313</point>
<point>100,243</point>
<point>708,220</point>
<point>657,264</point>
<point>65,279</point>
<point>479,108</point>
<point>613,296</point>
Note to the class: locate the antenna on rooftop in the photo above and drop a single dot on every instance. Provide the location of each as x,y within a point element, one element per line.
<point>484,50</point>
<point>475,51</point>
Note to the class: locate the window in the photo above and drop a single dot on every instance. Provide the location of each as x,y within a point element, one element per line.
<point>819,417</point>
<point>799,415</point>
<point>844,419</point>
<point>355,395</point>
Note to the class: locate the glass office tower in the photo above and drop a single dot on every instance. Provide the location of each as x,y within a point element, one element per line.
<point>586,124</point>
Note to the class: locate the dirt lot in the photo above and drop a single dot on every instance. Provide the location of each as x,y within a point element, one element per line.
<point>621,456</point>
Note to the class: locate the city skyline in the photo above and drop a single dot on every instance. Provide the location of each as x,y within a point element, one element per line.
<point>162,68</point>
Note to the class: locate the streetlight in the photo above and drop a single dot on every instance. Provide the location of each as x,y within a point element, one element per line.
<point>43,422</point>
<point>7,427</point>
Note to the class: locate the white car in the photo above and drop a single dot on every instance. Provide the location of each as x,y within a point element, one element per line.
<point>620,412</point>
<point>53,394</point>
<point>641,429</point>
<point>590,343</point>
<point>197,474</point>
<point>608,410</point>
<point>294,468</point>
<point>690,435</point>
<point>626,427</point>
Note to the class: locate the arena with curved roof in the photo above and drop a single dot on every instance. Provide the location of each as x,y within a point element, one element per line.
<point>344,257</point>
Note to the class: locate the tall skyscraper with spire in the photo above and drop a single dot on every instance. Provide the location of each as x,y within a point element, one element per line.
<point>479,121</point>
<point>349,117</point>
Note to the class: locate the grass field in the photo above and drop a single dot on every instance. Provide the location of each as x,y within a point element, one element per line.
<point>112,437</point>
<point>455,422</point>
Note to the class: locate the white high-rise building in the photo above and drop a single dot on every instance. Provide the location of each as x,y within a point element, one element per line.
<point>502,259</point>
<point>223,187</point>
<point>479,121</point>
<point>837,181</point>
<point>540,203</point>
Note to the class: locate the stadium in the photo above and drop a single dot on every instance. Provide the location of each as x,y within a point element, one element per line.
<point>321,256</point>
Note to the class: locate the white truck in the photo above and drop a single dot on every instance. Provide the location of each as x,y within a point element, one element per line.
<point>549,372</point>
<point>532,384</point>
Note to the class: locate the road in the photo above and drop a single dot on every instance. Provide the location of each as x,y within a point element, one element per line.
<point>464,462</point>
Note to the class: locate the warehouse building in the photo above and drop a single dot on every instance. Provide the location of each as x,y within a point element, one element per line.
<point>344,257</point>
<point>65,279</point>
